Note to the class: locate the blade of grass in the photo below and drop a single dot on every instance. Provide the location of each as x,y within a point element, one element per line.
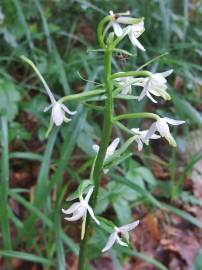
<point>146,258</point>
<point>24,256</point>
<point>21,16</point>
<point>4,184</point>
<point>183,214</point>
<point>45,24</point>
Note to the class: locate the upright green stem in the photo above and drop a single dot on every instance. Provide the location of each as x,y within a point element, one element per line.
<point>97,172</point>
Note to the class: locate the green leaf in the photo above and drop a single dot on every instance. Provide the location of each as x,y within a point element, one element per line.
<point>9,98</point>
<point>122,210</point>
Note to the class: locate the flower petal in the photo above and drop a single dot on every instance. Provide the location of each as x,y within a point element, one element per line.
<point>150,97</point>
<point>96,148</point>
<point>57,114</point>
<point>139,144</point>
<point>135,42</point>
<point>72,208</point>
<point>151,131</point>
<point>173,121</point>
<point>166,73</point>
<point>117,29</point>
<point>90,191</point>
<point>163,128</point>
<point>90,210</point>
<point>120,242</point>
<point>67,110</point>
<point>48,108</point>
<point>110,242</point>
<point>112,147</point>
<point>79,214</point>
<point>129,227</point>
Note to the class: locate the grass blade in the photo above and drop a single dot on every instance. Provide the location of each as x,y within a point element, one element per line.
<point>4,184</point>
<point>24,256</point>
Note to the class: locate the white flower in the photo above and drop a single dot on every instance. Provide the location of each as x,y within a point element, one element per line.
<point>80,209</point>
<point>120,18</point>
<point>155,85</point>
<point>58,109</point>
<point>115,20</point>
<point>126,84</point>
<point>110,150</point>
<point>134,31</point>
<point>140,137</point>
<point>115,237</point>
<point>58,112</point>
<point>161,125</point>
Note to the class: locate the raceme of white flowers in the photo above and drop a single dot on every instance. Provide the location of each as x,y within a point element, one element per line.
<point>155,85</point>
<point>161,125</point>
<point>140,137</point>
<point>115,236</point>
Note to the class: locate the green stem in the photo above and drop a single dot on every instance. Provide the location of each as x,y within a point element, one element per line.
<point>100,31</point>
<point>81,95</point>
<point>143,73</point>
<point>4,185</point>
<point>135,115</point>
<point>107,128</point>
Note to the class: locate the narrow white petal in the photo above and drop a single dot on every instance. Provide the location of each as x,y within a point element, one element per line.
<point>129,227</point>
<point>151,131</point>
<point>107,27</point>
<point>96,148</point>
<point>110,242</point>
<point>120,242</point>
<point>151,98</point>
<point>117,29</point>
<point>136,43</point>
<point>88,195</point>
<point>72,208</point>
<point>48,108</point>
<point>139,144</point>
<point>142,94</point>
<point>79,214</point>
<point>166,73</point>
<point>67,110</point>
<point>112,147</point>
<point>173,121</point>
<point>90,210</point>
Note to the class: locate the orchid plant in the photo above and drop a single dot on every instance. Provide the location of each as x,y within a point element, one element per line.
<point>111,31</point>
